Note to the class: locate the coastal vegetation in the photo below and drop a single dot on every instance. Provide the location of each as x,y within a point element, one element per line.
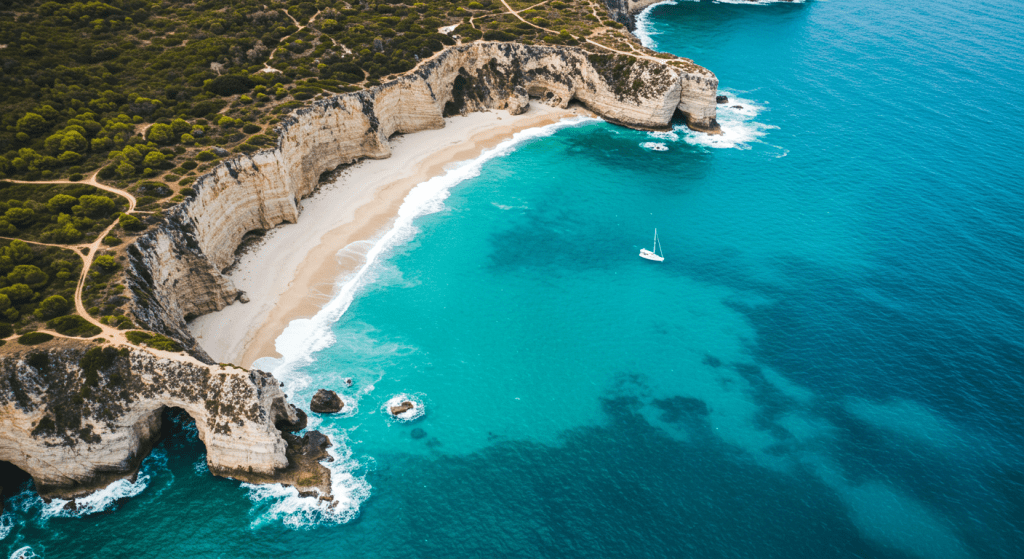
<point>140,90</point>
<point>114,108</point>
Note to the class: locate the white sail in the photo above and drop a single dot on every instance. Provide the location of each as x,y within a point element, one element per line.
<point>653,256</point>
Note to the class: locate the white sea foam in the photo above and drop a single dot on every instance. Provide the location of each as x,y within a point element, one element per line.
<point>277,503</point>
<point>107,497</point>
<point>6,524</point>
<point>758,2</point>
<point>304,337</point>
<point>417,411</point>
<point>739,129</point>
<point>24,553</point>
<point>644,30</point>
<point>654,146</point>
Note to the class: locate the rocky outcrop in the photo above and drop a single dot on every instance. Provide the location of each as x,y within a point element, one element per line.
<point>326,401</point>
<point>401,408</point>
<point>78,419</point>
<point>625,11</point>
<point>175,271</point>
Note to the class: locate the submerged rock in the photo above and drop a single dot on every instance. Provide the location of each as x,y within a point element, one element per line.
<point>720,99</point>
<point>401,408</point>
<point>418,433</point>
<point>326,401</point>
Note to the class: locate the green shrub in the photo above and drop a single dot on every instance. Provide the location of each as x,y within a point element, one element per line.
<point>33,338</point>
<point>251,128</point>
<point>94,206</point>
<point>230,85</point>
<point>74,325</point>
<point>52,306</point>
<point>154,188</point>
<point>18,293</point>
<point>29,275</point>
<point>157,341</point>
<point>131,223</point>
<point>206,155</point>
<point>106,262</point>
<point>111,241</point>
<point>187,191</point>
<point>6,330</point>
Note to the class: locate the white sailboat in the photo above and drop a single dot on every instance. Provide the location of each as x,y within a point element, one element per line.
<point>653,255</point>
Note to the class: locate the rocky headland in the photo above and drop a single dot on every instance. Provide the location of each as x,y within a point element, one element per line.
<point>77,417</point>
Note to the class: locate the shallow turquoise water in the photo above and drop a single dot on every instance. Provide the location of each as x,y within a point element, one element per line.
<point>827,363</point>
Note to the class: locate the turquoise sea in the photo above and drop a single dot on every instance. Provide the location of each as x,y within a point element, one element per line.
<point>828,363</point>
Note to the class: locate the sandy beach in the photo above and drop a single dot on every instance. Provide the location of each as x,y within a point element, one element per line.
<point>293,271</point>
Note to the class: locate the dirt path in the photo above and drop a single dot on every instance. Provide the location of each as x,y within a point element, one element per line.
<point>87,252</point>
<point>596,44</point>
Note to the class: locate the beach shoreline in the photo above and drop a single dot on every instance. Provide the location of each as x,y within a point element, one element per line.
<point>295,268</point>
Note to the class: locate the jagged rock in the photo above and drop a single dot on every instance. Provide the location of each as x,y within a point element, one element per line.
<point>737,106</point>
<point>326,401</point>
<point>77,424</point>
<point>347,381</point>
<point>519,102</point>
<point>304,470</point>
<point>219,151</point>
<point>315,445</point>
<point>721,99</point>
<point>243,297</point>
<point>284,424</point>
<point>401,408</point>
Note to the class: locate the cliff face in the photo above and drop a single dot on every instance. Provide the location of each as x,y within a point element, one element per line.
<point>175,271</point>
<point>77,420</point>
<point>624,11</point>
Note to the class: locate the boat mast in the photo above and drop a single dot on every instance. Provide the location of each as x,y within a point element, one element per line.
<point>655,247</point>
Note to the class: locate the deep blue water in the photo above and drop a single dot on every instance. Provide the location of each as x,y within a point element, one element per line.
<point>827,364</point>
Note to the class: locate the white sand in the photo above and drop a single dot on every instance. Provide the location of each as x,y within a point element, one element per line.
<point>294,270</point>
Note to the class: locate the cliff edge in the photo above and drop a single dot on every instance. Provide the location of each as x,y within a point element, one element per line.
<point>79,418</point>
<point>176,270</point>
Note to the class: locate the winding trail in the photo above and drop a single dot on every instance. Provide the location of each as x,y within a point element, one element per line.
<point>592,42</point>
<point>87,252</point>
<point>266,65</point>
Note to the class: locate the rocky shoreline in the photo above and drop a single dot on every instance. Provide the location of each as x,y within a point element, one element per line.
<point>77,417</point>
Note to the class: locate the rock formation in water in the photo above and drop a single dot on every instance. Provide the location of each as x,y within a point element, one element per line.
<point>176,270</point>
<point>76,419</point>
<point>326,401</point>
<point>401,408</point>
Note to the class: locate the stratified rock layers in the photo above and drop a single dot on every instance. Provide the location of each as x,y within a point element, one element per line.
<point>175,271</point>
<point>77,421</point>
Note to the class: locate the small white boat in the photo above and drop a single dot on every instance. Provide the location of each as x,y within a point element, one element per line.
<point>653,255</point>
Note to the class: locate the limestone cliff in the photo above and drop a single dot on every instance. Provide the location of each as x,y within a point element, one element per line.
<point>77,419</point>
<point>175,271</point>
<point>625,11</point>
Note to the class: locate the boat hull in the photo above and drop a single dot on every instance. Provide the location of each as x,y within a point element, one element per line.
<point>648,255</point>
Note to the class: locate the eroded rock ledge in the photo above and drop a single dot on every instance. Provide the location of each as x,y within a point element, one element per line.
<point>78,419</point>
<point>176,270</point>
